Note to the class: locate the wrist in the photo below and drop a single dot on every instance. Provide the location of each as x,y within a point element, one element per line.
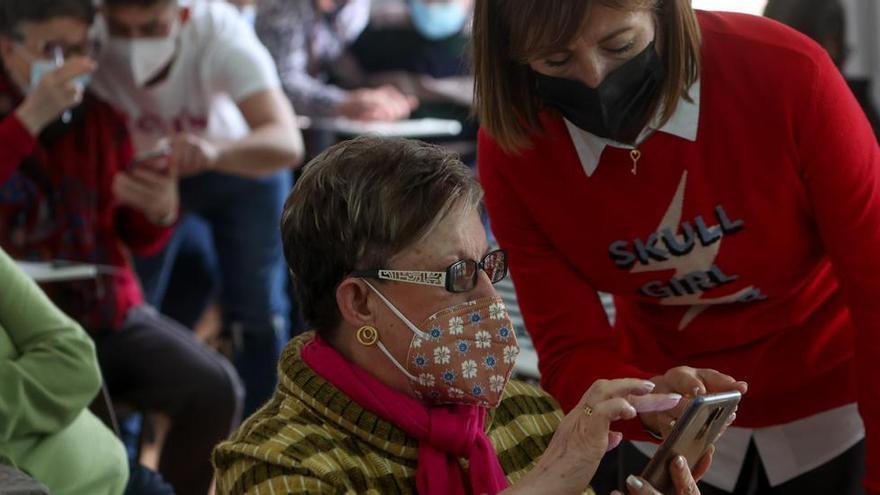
<point>30,119</point>
<point>166,220</point>
<point>218,156</point>
<point>530,483</point>
<point>556,474</point>
<point>550,485</point>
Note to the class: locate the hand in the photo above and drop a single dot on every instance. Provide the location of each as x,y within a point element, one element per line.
<point>55,93</point>
<point>151,189</point>
<point>384,103</point>
<point>683,479</point>
<point>191,154</point>
<point>584,435</point>
<point>688,382</point>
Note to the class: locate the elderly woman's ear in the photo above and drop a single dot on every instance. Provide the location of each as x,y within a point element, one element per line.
<point>356,306</point>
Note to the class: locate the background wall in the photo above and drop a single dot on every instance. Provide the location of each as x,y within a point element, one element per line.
<point>745,6</point>
<point>863,18</point>
<point>863,24</point>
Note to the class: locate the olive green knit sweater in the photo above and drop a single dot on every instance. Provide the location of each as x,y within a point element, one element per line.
<point>311,438</point>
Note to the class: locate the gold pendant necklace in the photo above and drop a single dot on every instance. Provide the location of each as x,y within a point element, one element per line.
<point>635,154</point>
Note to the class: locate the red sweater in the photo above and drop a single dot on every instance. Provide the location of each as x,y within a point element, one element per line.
<point>778,230</point>
<point>56,203</point>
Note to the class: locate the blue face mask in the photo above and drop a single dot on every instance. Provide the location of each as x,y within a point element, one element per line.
<point>41,67</point>
<point>436,21</point>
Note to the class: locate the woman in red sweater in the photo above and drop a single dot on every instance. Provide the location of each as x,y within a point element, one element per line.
<point>715,174</point>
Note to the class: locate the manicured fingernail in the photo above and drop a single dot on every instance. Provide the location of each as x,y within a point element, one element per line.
<point>649,385</point>
<point>679,462</point>
<point>674,397</point>
<point>634,482</point>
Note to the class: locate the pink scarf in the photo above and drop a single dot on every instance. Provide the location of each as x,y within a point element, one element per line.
<point>445,434</point>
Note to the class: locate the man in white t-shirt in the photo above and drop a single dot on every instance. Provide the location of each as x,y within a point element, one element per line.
<point>197,83</point>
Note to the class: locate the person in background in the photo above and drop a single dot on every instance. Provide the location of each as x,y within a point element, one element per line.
<point>307,38</point>
<point>197,84</point>
<point>48,376</point>
<point>406,373</point>
<point>714,173</point>
<point>68,192</point>
<point>424,55</point>
<point>825,22</point>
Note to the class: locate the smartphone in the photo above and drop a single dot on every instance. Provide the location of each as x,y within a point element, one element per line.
<point>59,61</point>
<point>699,427</point>
<point>147,157</point>
<point>41,67</point>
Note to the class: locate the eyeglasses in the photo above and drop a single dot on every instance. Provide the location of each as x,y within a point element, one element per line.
<point>87,48</point>
<point>460,276</point>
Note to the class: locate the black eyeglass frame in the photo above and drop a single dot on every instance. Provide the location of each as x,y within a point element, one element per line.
<point>443,279</point>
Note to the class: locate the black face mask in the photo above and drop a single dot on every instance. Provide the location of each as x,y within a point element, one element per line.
<point>618,108</point>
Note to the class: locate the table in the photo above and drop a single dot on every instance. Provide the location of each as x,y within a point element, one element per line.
<point>411,128</point>
<point>48,271</point>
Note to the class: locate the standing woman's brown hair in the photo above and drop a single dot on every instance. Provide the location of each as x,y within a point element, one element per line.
<point>507,34</point>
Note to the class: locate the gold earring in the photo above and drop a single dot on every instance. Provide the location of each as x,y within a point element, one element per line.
<point>367,335</point>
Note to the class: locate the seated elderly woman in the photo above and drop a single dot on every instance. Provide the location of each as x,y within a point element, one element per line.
<point>403,385</point>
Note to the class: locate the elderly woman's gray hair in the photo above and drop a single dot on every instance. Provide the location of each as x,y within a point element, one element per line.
<point>357,205</point>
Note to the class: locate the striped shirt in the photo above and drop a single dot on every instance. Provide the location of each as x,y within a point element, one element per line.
<point>311,438</point>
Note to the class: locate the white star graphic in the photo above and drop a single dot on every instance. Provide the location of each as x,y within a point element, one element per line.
<point>700,259</point>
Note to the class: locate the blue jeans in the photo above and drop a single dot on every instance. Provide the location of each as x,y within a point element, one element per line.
<point>244,216</point>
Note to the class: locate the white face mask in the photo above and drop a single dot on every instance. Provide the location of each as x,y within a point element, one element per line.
<point>144,57</point>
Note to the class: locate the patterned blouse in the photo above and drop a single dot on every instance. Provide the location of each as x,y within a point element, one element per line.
<point>305,43</point>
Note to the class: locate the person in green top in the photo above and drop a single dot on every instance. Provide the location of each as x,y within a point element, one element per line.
<point>48,376</point>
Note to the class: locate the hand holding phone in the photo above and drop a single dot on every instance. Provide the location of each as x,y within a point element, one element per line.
<point>694,433</point>
<point>59,61</point>
<point>688,382</point>
<point>150,186</point>
<point>53,91</point>
<point>148,157</point>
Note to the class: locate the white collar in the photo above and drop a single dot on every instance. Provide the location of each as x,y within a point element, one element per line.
<point>683,123</point>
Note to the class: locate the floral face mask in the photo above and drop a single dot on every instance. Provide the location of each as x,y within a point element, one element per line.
<point>460,355</point>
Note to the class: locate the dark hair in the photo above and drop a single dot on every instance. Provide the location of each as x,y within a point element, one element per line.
<point>14,12</point>
<point>506,34</point>
<point>360,203</point>
<point>822,20</point>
